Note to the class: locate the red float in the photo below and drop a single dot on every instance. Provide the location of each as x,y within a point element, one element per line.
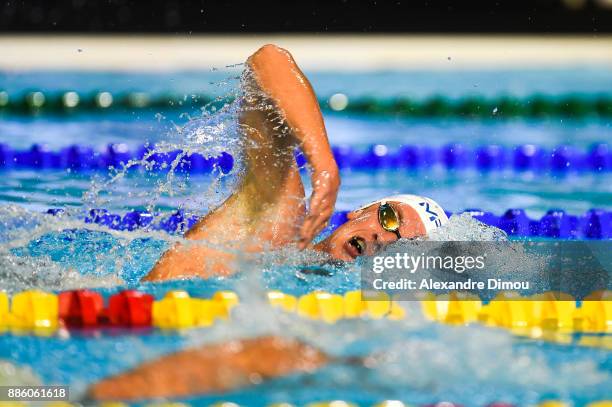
<point>80,308</point>
<point>130,308</point>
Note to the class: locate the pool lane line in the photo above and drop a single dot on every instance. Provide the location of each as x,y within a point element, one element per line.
<point>537,106</point>
<point>547,316</point>
<point>594,224</point>
<point>529,158</point>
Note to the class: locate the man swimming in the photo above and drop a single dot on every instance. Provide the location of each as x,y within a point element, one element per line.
<point>279,113</point>
<point>211,368</point>
<point>267,211</point>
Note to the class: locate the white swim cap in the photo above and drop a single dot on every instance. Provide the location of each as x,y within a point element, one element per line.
<point>431,214</point>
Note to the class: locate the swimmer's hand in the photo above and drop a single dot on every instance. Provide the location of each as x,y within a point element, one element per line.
<point>281,78</point>
<point>325,185</point>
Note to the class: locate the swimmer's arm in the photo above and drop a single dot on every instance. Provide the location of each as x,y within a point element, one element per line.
<point>272,188</point>
<point>281,78</point>
<point>211,369</point>
<point>267,209</point>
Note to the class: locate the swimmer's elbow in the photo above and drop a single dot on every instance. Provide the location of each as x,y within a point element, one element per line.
<point>271,49</point>
<point>269,52</point>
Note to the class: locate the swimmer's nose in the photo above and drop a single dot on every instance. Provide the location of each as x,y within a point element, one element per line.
<point>385,237</point>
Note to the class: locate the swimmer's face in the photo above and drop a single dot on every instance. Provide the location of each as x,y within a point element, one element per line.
<point>363,235</point>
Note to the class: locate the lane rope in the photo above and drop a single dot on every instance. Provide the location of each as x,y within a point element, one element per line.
<point>535,106</point>
<point>44,313</point>
<point>454,156</point>
<point>594,224</point>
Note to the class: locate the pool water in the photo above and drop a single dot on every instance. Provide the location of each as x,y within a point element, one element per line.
<point>457,190</point>
<point>421,362</point>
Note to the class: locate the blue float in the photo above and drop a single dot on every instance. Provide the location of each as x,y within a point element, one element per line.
<point>409,157</point>
<point>338,218</point>
<point>597,224</point>
<point>491,157</point>
<point>565,158</point>
<point>38,156</point>
<point>95,215</point>
<point>116,155</point>
<point>456,156</point>
<point>136,219</point>
<point>527,157</point>
<point>225,162</point>
<point>556,223</point>
<point>174,222</point>
<point>516,223</point>
<point>6,155</point>
<point>599,158</point>
<point>199,164</point>
<point>79,158</point>
<point>41,157</point>
<point>300,158</point>
<point>163,161</point>
<point>103,217</point>
<point>344,156</point>
<point>375,157</point>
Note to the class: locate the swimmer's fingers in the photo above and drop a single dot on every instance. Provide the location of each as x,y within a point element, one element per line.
<point>325,186</point>
<point>314,226</point>
<point>311,227</point>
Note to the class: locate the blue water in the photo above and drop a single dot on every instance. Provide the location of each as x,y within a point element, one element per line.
<point>455,190</point>
<point>424,362</point>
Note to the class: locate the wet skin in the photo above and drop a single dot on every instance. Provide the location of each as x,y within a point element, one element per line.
<point>362,234</point>
<point>211,369</point>
<point>267,211</point>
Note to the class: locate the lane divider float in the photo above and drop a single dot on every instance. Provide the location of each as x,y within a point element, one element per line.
<point>44,312</point>
<point>86,158</point>
<point>535,106</point>
<point>547,311</point>
<point>454,156</point>
<point>594,224</point>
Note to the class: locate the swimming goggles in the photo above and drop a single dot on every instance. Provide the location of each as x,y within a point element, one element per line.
<point>389,219</point>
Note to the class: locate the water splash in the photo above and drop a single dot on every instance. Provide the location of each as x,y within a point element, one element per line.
<point>465,228</point>
<point>62,252</point>
<point>412,359</point>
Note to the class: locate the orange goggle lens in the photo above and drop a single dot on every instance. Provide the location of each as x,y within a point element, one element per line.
<point>388,218</point>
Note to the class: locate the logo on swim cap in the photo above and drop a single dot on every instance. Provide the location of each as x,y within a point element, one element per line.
<point>433,215</point>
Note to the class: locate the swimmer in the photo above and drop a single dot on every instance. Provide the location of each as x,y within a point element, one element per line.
<point>267,211</point>
<point>212,368</point>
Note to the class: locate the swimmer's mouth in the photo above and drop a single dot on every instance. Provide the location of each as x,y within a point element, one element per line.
<point>356,246</point>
